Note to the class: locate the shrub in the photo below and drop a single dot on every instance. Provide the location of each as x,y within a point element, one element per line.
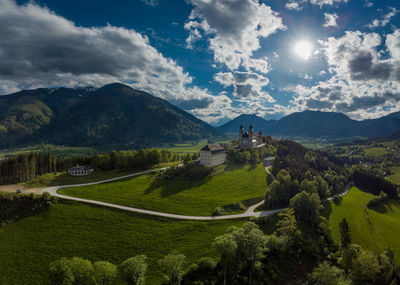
<point>376,200</point>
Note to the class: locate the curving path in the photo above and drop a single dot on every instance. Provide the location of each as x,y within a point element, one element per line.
<point>249,213</point>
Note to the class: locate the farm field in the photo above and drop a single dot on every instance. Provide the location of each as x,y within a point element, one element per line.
<point>375,229</point>
<point>395,177</point>
<point>234,183</point>
<point>73,229</point>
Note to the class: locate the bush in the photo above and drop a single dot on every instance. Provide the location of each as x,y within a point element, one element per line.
<point>14,206</point>
<point>376,200</point>
<point>227,209</point>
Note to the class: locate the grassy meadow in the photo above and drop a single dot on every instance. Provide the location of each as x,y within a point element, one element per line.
<point>234,183</point>
<point>375,229</point>
<point>73,229</point>
<point>395,177</point>
<point>63,178</point>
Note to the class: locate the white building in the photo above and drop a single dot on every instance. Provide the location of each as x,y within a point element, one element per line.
<point>80,170</point>
<point>212,155</point>
<point>249,139</point>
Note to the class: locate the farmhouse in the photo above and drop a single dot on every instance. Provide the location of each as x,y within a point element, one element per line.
<point>249,139</point>
<point>212,155</point>
<point>80,170</point>
<point>268,161</point>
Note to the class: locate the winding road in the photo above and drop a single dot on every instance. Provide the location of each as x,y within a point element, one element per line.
<point>250,212</point>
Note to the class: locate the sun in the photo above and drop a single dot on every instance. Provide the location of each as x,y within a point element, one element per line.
<point>303,49</point>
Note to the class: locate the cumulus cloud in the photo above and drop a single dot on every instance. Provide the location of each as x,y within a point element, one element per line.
<point>39,48</point>
<point>233,27</point>
<point>365,84</point>
<point>330,20</point>
<point>385,19</point>
<point>245,84</point>
<point>298,4</point>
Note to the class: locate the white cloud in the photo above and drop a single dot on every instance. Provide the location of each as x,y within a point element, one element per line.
<point>151,3</point>
<point>330,20</point>
<point>246,84</point>
<point>385,19</point>
<point>364,84</point>
<point>39,48</point>
<point>233,28</point>
<point>299,4</point>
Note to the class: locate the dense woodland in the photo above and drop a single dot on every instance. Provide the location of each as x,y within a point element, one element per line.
<point>25,167</point>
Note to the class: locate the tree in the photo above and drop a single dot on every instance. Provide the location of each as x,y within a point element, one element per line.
<point>306,207</point>
<point>82,270</point>
<point>172,268</point>
<point>251,245</point>
<point>61,272</point>
<point>287,224</point>
<point>345,236</point>
<point>226,247</point>
<point>365,268</point>
<point>104,272</point>
<point>326,274</point>
<point>133,270</point>
<point>201,273</point>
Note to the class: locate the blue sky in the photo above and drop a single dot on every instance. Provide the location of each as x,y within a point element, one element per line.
<point>213,58</point>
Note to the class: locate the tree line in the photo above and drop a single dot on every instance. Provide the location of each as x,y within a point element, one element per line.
<point>15,206</point>
<point>27,166</point>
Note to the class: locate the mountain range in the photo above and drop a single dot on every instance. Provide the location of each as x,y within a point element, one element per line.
<point>315,124</point>
<point>114,113</point>
<point>118,114</point>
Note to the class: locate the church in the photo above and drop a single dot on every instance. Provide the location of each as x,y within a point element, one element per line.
<point>250,139</point>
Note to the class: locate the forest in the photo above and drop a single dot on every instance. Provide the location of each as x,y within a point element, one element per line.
<point>27,166</point>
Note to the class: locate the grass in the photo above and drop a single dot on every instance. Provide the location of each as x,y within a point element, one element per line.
<point>375,229</point>
<point>375,151</point>
<point>63,178</point>
<point>59,150</point>
<point>72,229</point>
<point>395,177</point>
<point>235,183</point>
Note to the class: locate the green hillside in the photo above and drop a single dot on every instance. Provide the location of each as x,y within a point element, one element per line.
<point>71,229</point>
<point>181,195</point>
<point>113,114</point>
<point>376,229</point>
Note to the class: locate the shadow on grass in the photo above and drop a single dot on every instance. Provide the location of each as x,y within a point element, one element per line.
<point>386,206</point>
<point>174,186</point>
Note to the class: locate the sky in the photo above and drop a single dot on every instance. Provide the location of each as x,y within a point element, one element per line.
<point>216,59</point>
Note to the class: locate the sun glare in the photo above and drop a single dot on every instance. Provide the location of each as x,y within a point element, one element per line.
<point>303,49</point>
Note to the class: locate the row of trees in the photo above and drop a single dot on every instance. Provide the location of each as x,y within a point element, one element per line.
<point>254,155</point>
<point>28,166</point>
<point>373,183</point>
<point>128,160</point>
<point>14,206</point>
<point>76,270</point>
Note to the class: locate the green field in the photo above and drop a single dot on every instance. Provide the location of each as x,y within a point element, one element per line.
<point>395,177</point>
<point>375,151</point>
<point>233,184</point>
<point>63,178</point>
<point>58,150</point>
<point>375,229</point>
<point>73,229</point>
